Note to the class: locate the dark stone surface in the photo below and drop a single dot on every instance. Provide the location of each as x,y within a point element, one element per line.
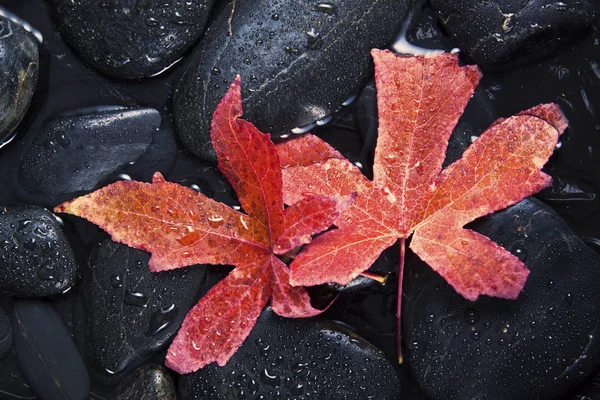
<point>13,384</point>
<point>19,65</point>
<point>47,354</point>
<point>130,312</point>
<point>277,47</point>
<point>150,382</point>
<point>590,390</point>
<point>509,32</point>
<point>6,335</point>
<point>35,255</point>
<point>131,39</point>
<point>74,154</point>
<point>297,359</point>
<point>539,346</point>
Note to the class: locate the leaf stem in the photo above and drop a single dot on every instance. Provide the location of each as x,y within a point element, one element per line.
<point>376,277</point>
<point>399,303</point>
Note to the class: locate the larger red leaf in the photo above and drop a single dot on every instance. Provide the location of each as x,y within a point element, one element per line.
<point>419,102</point>
<point>181,227</point>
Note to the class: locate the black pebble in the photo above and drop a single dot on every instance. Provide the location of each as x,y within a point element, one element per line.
<point>539,346</point>
<point>47,354</point>
<point>73,154</point>
<point>277,47</point>
<point>502,33</point>
<point>297,359</point>
<point>150,382</point>
<point>36,258</point>
<point>130,312</point>
<point>131,39</point>
<point>19,66</point>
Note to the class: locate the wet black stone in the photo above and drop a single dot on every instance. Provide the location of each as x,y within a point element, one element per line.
<point>146,383</point>
<point>130,312</point>
<point>131,39</point>
<point>75,153</point>
<point>589,390</point>
<point>35,255</point>
<point>6,335</point>
<point>297,359</point>
<point>47,354</point>
<point>509,32</point>
<point>277,47</point>
<point>539,346</point>
<point>19,65</point>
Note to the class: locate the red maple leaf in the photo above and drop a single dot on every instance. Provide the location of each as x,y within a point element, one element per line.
<point>181,227</point>
<point>419,102</point>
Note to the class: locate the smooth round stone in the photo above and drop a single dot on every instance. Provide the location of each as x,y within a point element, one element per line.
<point>73,154</point>
<point>150,382</point>
<point>130,312</point>
<point>19,65</point>
<point>131,39</point>
<point>6,334</point>
<point>539,346</point>
<point>47,354</point>
<point>509,32</point>
<point>277,46</point>
<point>286,358</point>
<point>36,257</point>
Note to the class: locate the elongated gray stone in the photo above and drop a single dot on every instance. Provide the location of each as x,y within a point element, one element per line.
<point>47,354</point>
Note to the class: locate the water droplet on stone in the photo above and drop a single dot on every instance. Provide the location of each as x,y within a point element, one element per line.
<point>327,8</point>
<point>161,319</point>
<point>569,298</point>
<point>63,140</point>
<point>23,224</point>
<point>42,230</point>
<point>215,71</point>
<point>429,318</point>
<point>151,21</point>
<point>135,298</point>
<point>45,273</point>
<point>252,386</point>
<point>518,249</point>
<point>115,281</point>
<point>269,379</point>
<point>471,316</point>
<point>30,243</point>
